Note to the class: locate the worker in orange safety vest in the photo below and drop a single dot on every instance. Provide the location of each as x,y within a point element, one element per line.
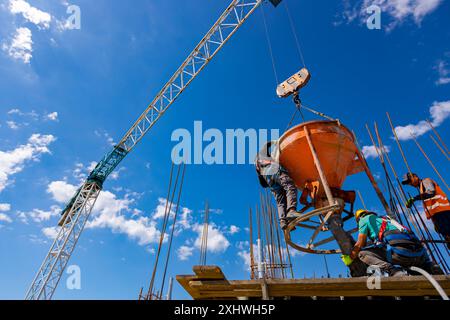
<point>435,203</point>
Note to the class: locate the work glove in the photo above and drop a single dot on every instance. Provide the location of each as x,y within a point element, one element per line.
<point>346,259</point>
<point>409,202</point>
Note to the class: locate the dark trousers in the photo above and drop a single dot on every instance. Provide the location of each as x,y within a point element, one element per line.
<point>285,194</point>
<point>441,223</point>
<point>378,257</point>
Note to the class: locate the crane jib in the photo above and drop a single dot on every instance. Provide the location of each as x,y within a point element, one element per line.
<point>107,165</point>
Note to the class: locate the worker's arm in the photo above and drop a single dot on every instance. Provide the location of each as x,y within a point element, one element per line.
<point>361,243</point>
<point>429,190</point>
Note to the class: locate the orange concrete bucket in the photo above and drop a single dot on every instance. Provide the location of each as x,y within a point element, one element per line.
<point>335,147</point>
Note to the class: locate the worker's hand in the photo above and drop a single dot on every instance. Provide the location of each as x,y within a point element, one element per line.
<point>409,202</point>
<point>347,259</point>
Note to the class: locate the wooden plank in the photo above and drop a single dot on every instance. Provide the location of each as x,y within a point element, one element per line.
<point>320,293</point>
<point>184,280</point>
<point>209,282</point>
<point>212,285</point>
<point>208,272</point>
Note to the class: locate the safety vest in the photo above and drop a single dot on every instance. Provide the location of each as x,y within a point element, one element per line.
<point>401,242</point>
<point>437,204</point>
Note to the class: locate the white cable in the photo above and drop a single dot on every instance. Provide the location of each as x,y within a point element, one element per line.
<point>269,43</point>
<point>432,281</point>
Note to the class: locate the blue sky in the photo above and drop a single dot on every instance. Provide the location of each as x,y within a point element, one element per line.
<point>68,95</point>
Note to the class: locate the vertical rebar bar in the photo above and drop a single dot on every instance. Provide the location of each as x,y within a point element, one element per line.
<point>430,162</point>
<point>438,136</point>
<point>252,257</point>
<point>440,148</point>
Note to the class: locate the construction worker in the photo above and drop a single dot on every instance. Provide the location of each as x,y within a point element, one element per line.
<point>394,246</point>
<point>272,175</point>
<point>435,203</point>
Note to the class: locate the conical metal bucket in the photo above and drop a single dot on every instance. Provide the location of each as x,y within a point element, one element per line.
<point>334,145</point>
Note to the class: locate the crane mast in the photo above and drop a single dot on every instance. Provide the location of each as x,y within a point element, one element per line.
<point>78,210</point>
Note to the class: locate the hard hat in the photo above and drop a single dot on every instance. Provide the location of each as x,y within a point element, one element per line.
<point>407,178</point>
<point>359,213</point>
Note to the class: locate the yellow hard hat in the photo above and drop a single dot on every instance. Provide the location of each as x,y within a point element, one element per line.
<point>359,213</point>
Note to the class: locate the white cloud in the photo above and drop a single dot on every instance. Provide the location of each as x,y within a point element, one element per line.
<point>241,245</point>
<point>444,73</point>
<point>61,191</point>
<point>185,219</point>
<point>51,232</point>
<point>439,112</point>
<point>370,152</point>
<point>12,125</point>
<point>184,253</point>
<point>37,240</point>
<point>5,207</point>
<point>21,46</point>
<point>234,229</point>
<point>5,218</point>
<point>398,10</point>
<point>116,174</point>
<point>244,253</point>
<point>92,166</point>
<point>13,162</point>
<point>245,256</point>
<point>160,210</point>
<point>108,213</point>
<point>15,111</point>
<point>82,171</point>
<point>38,215</point>
<point>217,242</point>
<point>105,135</point>
<point>142,229</point>
<point>38,17</point>
<point>79,172</point>
<point>52,116</point>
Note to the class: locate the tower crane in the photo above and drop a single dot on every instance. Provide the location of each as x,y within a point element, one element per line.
<point>78,210</point>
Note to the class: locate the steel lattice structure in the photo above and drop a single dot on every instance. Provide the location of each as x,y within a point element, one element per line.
<point>80,207</point>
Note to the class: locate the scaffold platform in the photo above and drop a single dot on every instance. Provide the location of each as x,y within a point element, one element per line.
<point>210,283</point>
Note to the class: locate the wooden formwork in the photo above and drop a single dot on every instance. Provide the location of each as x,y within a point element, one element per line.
<point>209,283</point>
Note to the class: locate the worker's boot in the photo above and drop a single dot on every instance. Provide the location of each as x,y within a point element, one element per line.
<point>436,270</point>
<point>396,272</point>
<point>284,222</point>
<point>292,214</point>
<point>433,269</point>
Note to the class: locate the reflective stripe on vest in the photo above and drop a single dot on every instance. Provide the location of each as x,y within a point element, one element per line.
<point>437,204</point>
<point>382,229</point>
